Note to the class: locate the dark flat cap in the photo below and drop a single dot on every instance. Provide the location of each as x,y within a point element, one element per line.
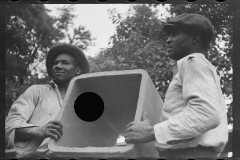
<point>195,22</point>
<point>69,49</point>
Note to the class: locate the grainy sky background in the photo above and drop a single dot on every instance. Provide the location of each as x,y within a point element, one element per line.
<point>96,19</point>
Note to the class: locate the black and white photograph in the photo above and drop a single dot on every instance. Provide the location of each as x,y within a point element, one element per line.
<point>121,80</point>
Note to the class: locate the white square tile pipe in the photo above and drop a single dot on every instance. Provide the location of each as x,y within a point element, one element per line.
<point>126,96</point>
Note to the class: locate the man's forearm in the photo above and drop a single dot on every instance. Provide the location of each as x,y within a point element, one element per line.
<point>152,136</point>
<point>24,134</point>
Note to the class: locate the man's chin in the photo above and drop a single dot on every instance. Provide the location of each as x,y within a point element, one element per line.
<point>59,80</point>
<point>172,56</point>
<point>175,56</point>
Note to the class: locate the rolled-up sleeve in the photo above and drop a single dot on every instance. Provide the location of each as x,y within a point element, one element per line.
<point>20,113</point>
<point>202,112</point>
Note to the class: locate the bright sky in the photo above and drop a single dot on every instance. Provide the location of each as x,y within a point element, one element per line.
<point>96,19</point>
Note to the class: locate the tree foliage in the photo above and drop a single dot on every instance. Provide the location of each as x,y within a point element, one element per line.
<point>30,32</point>
<point>137,44</point>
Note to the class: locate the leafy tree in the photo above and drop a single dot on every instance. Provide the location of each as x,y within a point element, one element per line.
<point>81,38</point>
<point>137,43</point>
<point>30,32</point>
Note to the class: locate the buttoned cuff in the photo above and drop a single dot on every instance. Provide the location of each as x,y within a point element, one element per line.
<point>163,136</point>
<point>30,147</point>
<point>159,131</point>
<point>24,148</point>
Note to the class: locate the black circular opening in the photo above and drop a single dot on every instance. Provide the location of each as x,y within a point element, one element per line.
<point>89,106</point>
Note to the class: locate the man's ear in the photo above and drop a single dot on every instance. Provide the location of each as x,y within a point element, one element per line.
<point>195,40</point>
<point>78,71</point>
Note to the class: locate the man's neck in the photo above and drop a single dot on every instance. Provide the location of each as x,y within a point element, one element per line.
<point>62,88</point>
<point>197,49</point>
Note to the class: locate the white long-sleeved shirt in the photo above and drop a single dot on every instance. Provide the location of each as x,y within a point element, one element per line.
<point>194,112</point>
<point>38,105</point>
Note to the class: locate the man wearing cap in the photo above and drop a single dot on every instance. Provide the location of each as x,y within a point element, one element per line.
<point>31,120</point>
<point>194,115</point>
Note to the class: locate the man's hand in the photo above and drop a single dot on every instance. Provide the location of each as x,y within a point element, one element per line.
<point>52,129</point>
<point>139,132</point>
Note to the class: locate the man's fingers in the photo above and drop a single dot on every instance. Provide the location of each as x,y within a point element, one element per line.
<point>55,126</point>
<point>129,140</point>
<point>59,134</point>
<point>55,132</point>
<point>129,129</point>
<point>58,128</point>
<point>129,124</point>
<point>58,123</point>
<point>53,136</point>
<point>145,117</point>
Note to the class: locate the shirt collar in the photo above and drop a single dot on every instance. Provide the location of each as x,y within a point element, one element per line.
<point>179,62</point>
<point>53,84</point>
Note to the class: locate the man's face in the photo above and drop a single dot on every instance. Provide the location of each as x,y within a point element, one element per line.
<point>179,44</point>
<point>64,68</point>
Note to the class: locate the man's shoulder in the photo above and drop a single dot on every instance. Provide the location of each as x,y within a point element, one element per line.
<point>37,87</point>
<point>195,59</point>
<point>195,63</point>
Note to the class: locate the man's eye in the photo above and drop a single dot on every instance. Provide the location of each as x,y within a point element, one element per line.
<point>174,33</point>
<point>65,62</point>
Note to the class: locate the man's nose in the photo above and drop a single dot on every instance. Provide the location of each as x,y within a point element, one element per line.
<point>58,66</point>
<point>169,40</point>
